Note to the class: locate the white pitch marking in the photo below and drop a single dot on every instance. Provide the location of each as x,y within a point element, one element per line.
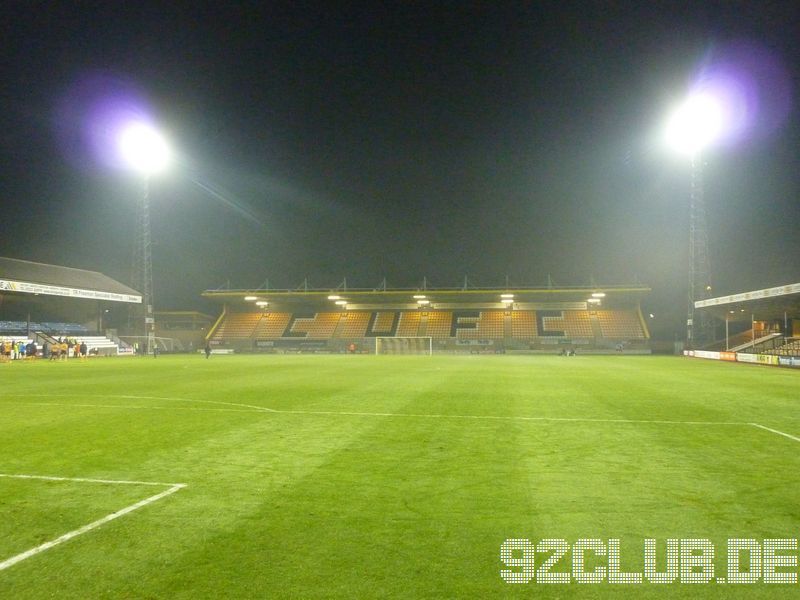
<point>93,525</point>
<point>168,399</point>
<point>786,435</point>
<point>253,408</point>
<point>132,407</point>
<point>87,480</point>
<point>505,418</point>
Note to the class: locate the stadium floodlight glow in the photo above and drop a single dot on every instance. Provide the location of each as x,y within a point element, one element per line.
<point>334,297</point>
<point>599,295</point>
<point>423,302</point>
<point>141,148</point>
<point>144,149</point>
<point>419,296</point>
<point>262,303</point>
<point>506,295</point>
<point>698,122</point>
<point>341,302</point>
<point>250,298</point>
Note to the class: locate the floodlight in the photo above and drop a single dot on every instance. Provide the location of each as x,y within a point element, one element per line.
<point>143,148</point>
<point>423,302</point>
<point>697,123</point>
<point>599,295</point>
<point>334,297</point>
<point>250,298</point>
<point>506,295</point>
<point>262,303</point>
<point>593,300</point>
<point>341,302</point>
<point>419,296</point>
<point>507,301</point>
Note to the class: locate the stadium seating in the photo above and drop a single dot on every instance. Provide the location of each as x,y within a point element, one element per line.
<point>15,338</point>
<point>578,323</point>
<point>439,324</point>
<point>791,348</point>
<point>384,321</point>
<point>488,325</point>
<point>51,327</point>
<point>408,326</point>
<point>320,327</point>
<point>523,324</point>
<point>353,325</point>
<point>567,323</point>
<point>237,326</point>
<point>271,325</point>
<point>98,342</point>
<point>616,324</point>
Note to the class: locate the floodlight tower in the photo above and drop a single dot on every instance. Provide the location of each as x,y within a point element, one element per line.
<point>145,151</point>
<point>694,126</point>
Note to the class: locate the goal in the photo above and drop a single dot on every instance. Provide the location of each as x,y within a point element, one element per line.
<point>404,345</point>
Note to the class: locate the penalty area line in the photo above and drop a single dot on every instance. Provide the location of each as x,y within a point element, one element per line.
<point>9,562</point>
<point>786,435</point>
<point>130,397</point>
<point>132,407</point>
<point>506,418</point>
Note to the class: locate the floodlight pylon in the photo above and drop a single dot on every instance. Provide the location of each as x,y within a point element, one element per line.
<point>699,328</point>
<point>143,267</point>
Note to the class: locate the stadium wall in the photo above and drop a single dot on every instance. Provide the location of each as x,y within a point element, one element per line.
<point>760,359</point>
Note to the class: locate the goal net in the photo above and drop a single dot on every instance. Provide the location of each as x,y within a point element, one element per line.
<point>403,345</point>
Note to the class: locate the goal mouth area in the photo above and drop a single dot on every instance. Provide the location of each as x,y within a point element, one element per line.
<point>404,345</point>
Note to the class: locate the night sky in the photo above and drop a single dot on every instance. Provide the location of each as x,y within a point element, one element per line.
<point>401,140</point>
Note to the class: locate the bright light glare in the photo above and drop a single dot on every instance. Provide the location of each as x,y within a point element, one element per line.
<point>341,302</point>
<point>144,149</point>
<point>334,297</point>
<point>507,301</point>
<point>598,295</point>
<point>696,124</point>
<point>250,298</point>
<point>506,295</point>
<point>419,296</point>
<point>262,303</point>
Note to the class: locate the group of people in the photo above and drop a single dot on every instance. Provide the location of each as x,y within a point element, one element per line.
<point>16,350</point>
<point>62,348</point>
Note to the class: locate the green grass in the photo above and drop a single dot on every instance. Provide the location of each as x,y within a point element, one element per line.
<point>310,502</point>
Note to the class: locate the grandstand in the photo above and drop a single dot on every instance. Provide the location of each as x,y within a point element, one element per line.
<point>41,303</point>
<point>600,319</point>
<point>759,326</point>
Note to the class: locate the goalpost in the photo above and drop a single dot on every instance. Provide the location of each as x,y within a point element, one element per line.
<point>404,345</point>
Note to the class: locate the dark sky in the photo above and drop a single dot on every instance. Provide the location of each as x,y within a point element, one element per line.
<point>399,140</point>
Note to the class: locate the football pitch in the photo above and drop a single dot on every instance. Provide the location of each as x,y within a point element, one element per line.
<point>385,476</point>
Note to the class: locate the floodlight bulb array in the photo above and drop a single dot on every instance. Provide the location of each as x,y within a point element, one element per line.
<point>144,149</point>
<point>696,123</point>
